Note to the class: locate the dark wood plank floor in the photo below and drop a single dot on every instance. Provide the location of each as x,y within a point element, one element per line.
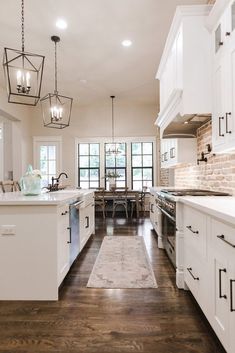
<point>85,320</point>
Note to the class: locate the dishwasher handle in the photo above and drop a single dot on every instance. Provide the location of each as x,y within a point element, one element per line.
<point>76,204</point>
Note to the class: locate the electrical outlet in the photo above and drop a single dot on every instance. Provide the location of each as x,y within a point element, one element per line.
<point>8,230</point>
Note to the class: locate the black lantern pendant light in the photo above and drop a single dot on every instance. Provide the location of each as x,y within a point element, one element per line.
<point>113,150</point>
<point>23,72</point>
<point>56,109</point>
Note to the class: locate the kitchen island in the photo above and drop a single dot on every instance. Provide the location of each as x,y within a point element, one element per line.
<point>37,240</point>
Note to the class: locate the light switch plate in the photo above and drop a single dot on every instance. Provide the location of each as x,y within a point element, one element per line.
<point>8,230</point>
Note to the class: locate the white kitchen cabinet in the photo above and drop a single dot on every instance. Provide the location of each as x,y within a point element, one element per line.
<point>63,246</point>
<point>155,218</point>
<point>177,151</point>
<point>87,220</point>
<point>221,22</point>
<point>185,68</point>
<point>209,270</point>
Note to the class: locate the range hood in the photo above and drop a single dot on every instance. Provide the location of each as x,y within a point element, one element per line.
<point>174,122</point>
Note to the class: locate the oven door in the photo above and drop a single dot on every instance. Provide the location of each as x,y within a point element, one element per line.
<point>169,235</point>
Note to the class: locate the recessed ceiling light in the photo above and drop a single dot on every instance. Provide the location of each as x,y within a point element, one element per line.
<point>127,43</point>
<point>62,24</point>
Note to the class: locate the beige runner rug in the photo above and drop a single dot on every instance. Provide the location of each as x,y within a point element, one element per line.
<point>122,262</point>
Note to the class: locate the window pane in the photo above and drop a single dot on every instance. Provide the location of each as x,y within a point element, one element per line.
<point>136,161</point>
<point>84,174</point>
<point>94,149</point>
<point>52,167</point>
<point>120,184</point>
<point>83,149</point>
<point>43,152</point>
<point>137,174</point>
<point>43,167</point>
<point>121,161</point>
<point>84,162</point>
<point>108,146</point>
<point>94,161</point>
<point>147,148</point>
<point>136,148</point>
<point>147,161</point>
<point>122,173</point>
<point>137,185</point>
<point>52,152</point>
<point>94,174</point>
<point>94,184</point>
<point>122,147</point>
<point>84,184</point>
<point>147,173</point>
<point>110,161</point>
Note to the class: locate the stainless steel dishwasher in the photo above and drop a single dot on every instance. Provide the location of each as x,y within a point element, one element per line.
<point>74,240</point>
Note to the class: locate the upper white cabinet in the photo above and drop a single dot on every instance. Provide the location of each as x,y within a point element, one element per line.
<point>177,151</point>
<point>221,22</point>
<point>185,68</point>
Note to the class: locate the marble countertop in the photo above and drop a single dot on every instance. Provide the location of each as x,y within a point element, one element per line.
<point>222,207</point>
<point>45,198</point>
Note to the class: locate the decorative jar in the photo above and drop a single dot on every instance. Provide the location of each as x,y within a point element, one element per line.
<point>31,182</point>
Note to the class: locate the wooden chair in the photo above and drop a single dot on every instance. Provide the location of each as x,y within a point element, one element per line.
<point>9,186</point>
<point>120,199</point>
<point>100,200</point>
<point>141,203</point>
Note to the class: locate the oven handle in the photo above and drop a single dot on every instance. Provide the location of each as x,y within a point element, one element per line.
<point>165,213</point>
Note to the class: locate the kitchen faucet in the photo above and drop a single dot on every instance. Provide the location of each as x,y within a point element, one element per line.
<point>55,182</point>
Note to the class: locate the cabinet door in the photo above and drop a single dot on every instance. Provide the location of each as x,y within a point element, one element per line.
<point>218,119</point>
<point>231,305</point>
<point>230,106</point>
<point>84,226</point>
<point>63,238</point>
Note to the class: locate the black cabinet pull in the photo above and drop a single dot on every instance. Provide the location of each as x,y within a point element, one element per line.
<point>70,235</point>
<point>64,213</point>
<point>227,34</point>
<point>220,118</point>
<point>220,283</point>
<point>87,222</point>
<point>226,123</point>
<point>190,271</point>
<point>165,156</point>
<point>222,237</point>
<point>191,230</point>
<point>231,295</point>
<point>221,43</point>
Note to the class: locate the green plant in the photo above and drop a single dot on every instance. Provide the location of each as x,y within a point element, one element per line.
<point>112,175</point>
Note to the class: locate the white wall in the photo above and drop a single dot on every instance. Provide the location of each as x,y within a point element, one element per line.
<point>19,147</point>
<point>131,119</point>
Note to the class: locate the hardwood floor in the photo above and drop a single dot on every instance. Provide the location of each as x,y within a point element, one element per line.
<point>85,320</point>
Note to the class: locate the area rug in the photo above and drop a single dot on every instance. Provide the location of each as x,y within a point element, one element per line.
<point>122,262</point>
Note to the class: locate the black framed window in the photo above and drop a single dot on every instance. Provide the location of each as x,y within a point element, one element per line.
<point>88,165</point>
<point>116,163</point>
<point>142,165</point>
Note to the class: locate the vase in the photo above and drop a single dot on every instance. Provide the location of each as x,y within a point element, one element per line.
<point>30,183</point>
<point>112,183</point>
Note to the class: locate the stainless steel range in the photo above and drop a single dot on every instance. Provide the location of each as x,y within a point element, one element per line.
<point>166,202</point>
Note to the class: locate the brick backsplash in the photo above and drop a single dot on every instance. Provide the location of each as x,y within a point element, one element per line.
<point>217,174</point>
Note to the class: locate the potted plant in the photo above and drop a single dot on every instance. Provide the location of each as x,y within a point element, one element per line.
<point>111,177</point>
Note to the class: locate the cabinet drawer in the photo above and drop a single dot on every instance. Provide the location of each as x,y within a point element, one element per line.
<point>195,231</point>
<point>223,238</point>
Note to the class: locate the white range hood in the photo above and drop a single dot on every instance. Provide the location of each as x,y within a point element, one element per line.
<point>185,73</point>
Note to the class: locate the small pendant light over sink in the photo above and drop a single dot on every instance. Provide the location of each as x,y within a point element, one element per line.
<point>56,109</point>
<point>114,146</point>
<point>23,72</point>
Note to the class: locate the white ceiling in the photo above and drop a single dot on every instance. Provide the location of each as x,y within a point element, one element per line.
<point>90,48</point>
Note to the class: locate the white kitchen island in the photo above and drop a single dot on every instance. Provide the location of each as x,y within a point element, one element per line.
<point>35,241</point>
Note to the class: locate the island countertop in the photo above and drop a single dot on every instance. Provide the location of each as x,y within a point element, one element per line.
<point>46,198</point>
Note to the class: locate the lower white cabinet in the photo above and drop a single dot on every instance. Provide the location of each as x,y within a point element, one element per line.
<point>209,270</point>
<point>63,246</point>
<point>87,225</point>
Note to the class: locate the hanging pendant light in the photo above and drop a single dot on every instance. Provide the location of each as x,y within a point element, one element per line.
<point>23,72</point>
<point>56,109</point>
<point>114,148</point>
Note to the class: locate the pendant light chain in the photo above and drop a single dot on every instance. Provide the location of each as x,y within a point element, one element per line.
<point>112,121</point>
<point>22,24</point>
<point>56,91</point>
